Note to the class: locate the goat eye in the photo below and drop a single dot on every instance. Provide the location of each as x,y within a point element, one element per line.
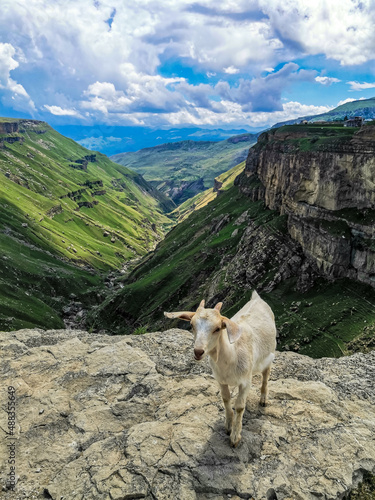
<point>217,330</point>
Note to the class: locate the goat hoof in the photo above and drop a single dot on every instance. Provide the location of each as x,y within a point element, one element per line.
<point>234,444</point>
<point>262,403</point>
<point>234,440</point>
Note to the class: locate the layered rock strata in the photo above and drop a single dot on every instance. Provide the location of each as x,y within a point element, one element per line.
<point>327,191</point>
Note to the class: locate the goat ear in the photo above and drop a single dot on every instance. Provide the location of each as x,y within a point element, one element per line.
<point>218,306</point>
<point>185,315</point>
<point>233,330</point>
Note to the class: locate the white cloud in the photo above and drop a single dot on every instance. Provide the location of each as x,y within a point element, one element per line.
<point>231,70</point>
<point>79,63</point>
<point>232,115</point>
<point>14,91</point>
<point>326,80</point>
<point>361,86</point>
<point>350,100</point>
<point>57,111</point>
<point>141,93</point>
<point>340,29</point>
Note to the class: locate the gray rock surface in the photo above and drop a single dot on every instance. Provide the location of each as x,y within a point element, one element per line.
<point>106,417</point>
<point>327,192</point>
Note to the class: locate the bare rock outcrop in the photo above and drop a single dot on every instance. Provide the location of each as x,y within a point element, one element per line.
<point>110,417</point>
<point>325,185</point>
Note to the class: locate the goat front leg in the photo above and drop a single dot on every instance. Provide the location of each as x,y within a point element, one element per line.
<point>243,391</point>
<point>225,394</point>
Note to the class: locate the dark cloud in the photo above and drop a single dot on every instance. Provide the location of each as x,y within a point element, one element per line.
<point>264,93</point>
<point>244,15</point>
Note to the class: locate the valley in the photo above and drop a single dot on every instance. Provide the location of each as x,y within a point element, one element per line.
<point>89,241</point>
<point>297,226</point>
<point>184,169</point>
<point>67,216</point>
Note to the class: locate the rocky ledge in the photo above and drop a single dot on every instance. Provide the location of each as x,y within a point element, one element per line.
<point>106,417</point>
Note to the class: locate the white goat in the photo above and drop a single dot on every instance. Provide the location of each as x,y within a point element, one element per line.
<point>237,348</point>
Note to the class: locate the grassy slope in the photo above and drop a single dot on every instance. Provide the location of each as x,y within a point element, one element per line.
<point>178,274</point>
<point>365,108</point>
<point>40,231</point>
<point>35,175</point>
<point>188,160</point>
<point>35,285</point>
<point>308,138</point>
<point>200,200</point>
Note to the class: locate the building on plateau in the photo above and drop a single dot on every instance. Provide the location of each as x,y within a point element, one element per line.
<point>357,121</point>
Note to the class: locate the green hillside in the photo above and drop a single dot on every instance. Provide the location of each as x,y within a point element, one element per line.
<point>170,166</point>
<point>76,203</point>
<point>205,256</point>
<point>61,204</point>
<point>200,200</point>
<point>363,107</point>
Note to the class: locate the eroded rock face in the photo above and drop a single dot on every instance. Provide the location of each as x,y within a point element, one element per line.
<point>9,127</point>
<point>327,193</point>
<point>102,417</point>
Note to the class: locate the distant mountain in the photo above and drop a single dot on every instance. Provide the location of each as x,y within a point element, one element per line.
<point>114,140</point>
<point>183,169</point>
<point>362,107</point>
<point>61,204</point>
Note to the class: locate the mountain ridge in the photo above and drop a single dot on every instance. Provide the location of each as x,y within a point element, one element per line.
<point>67,215</point>
<point>183,169</point>
<point>350,109</point>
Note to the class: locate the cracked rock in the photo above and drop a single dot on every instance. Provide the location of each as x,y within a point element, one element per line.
<point>137,417</point>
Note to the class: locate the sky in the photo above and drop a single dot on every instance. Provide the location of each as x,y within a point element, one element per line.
<point>178,63</point>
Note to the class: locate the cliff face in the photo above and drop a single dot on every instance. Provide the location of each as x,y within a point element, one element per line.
<point>112,417</point>
<point>323,179</point>
<point>9,127</point>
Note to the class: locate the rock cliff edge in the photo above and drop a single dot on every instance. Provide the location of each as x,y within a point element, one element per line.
<point>106,417</point>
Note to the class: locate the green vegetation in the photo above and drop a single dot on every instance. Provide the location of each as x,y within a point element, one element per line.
<point>365,216</point>
<point>366,488</point>
<point>35,286</point>
<point>60,202</point>
<point>169,165</point>
<point>97,213</point>
<point>323,321</point>
<point>364,107</point>
<point>141,330</point>
<point>308,137</point>
<point>200,200</point>
<point>188,266</point>
<point>188,254</point>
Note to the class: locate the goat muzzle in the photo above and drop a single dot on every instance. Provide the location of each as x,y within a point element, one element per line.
<point>198,353</point>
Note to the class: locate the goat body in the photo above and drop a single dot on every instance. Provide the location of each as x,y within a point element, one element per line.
<point>237,348</point>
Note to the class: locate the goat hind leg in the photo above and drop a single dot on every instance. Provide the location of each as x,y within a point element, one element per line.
<point>264,388</point>
<point>225,394</point>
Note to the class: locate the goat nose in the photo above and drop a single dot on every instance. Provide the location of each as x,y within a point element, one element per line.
<point>198,353</point>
